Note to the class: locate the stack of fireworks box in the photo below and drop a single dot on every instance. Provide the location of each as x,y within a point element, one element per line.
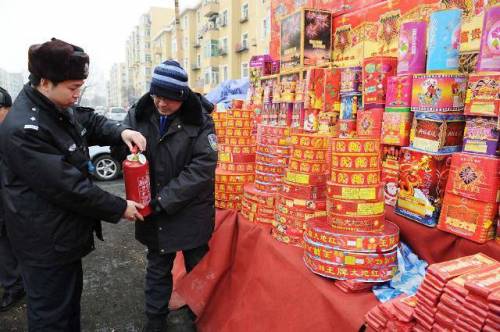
<point>355,242</point>
<point>350,100</point>
<point>302,194</point>
<point>470,203</point>
<point>270,163</point>
<point>438,122</point>
<point>454,295</point>
<point>236,165</point>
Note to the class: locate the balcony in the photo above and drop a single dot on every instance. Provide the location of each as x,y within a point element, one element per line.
<point>197,44</point>
<point>195,66</point>
<point>210,8</point>
<point>241,47</point>
<point>244,19</point>
<point>222,51</point>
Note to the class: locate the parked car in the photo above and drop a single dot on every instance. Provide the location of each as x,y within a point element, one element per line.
<point>106,168</point>
<point>116,113</point>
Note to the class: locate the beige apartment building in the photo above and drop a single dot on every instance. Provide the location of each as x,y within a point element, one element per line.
<point>118,85</point>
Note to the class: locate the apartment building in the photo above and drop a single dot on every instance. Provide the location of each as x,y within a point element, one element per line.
<point>12,82</point>
<point>118,86</point>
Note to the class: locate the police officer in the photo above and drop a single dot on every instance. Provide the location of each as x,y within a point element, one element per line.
<point>182,152</point>
<point>10,276</point>
<point>52,207</point>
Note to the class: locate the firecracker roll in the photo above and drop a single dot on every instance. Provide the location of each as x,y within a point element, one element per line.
<point>268,177</point>
<point>350,258</point>
<point>376,70</point>
<point>240,114</point>
<point>355,146</point>
<point>355,208</point>
<point>348,272</point>
<point>281,160</point>
<point>354,178</point>
<point>470,219</point>
<point>229,187</point>
<point>305,166</point>
<point>267,130</point>
<point>226,157</point>
<point>437,132</point>
<point>475,177</point>
<point>481,135</point>
<point>270,168</point>
<point>483,96</point>
<point>412,47</point>
<point>312,141</point>
<point>332,90</point>
<point>268,187</point>
<point>318,230</point>
<point>368,161</point>
<point>273,149</point>
<point>262,198</point>
<point>438,92</point>
<point>489,54</point>
<point>444,40</point>
<point>350,80</point>
<point>301,204</point>
<point>239,123</point>
<point>225,177</point>
<point>293,190</point>
<point>369,122</point>
<point>399,91</point>
<point>305,178</point>
<point>287,235</point>
<point>356,223</point>
<point>230,205</point>
<point>224,148</point>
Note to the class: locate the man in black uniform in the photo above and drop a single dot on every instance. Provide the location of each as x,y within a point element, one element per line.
<point>10,276</point>
<point>52,207</point>
<point>182,154</point>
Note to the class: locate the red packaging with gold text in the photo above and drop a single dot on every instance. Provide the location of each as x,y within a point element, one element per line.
<point>271,159</point>
<point>365,162</point>
<point>376,70</point>
<point>310,167</point>
<point>474,176</point>
<point>309,154</point>
<point>355,145</point>
<point>473,220</point>
<point>315,88</point>
<point>399,91</point>
<point>304,192</point>
<point>332,90</point>
<point>482,95</point>
<point>363,193</point>
<point>273,149</point>
<point>233,177</point>
<point>236,167</point>
<point>390,173</point>
<point>268,187</point>
<point>309,140</point>
<point>356,224</point>
<point>304,204</point>
<point>320,231</point>
<point>369,122</point>
<point>396,126</point>
<point>355,208</point>
<point>354,178</point>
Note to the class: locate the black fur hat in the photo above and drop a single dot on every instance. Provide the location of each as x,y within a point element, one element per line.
<point>5,99</point>
<point>58,61</point>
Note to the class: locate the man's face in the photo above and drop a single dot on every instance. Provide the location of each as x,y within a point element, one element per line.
<point>3,113</point>
<point>166,106</point>
<point>64,94</point>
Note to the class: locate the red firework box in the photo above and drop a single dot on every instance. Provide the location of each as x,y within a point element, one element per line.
<point>437,132</point>
<point>237,167</point>
<point>263,199</point>
<point>359,146</point>
<point>355,193</point>
<point>309,154</point>
<point>399,90</point>
<point>271,159</point>
<point>438,92</point>
<point>231,205</point>
<point>481,135</point>
<point>224,177</point>
<point>267,177</point>
<point>390,173</point>
<point>354,178</point>
<point>320,231</point>
<point>467,218</point>
<point>475,177</point>
<point>340,257</point>
<point>273,149</point>
<point>482,95</point>
<point>239,140</point>
<point>396,126</point>
<point>268,130</point>
<point>228,197</point>
<point>235,188</point>
<point>238,132</point>
<point>288,91</point>
<point>369,122</point>
<point>327,123</point>
<point>311,120</point>
<point>239,123</point>
<point>293,190</point>
<point>313,141</point>
<point>332,90</point>
<point>348,36</point>
<point>314,88</point>
<point>422,180</point>
<point>273,140</point>
<point>346,272</point>
<point>376,70</point>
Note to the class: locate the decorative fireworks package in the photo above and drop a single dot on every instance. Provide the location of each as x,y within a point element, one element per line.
<point>350,80</point>
<point>412,47</point>
<point>369,122</point>
<point>489,54</point>
<point>438,92</point>
<point>396,126</point>
<point>376,70</point>
<point>399,91</point>
<point>483,95</point>
<point>444,40</point>
<point>481,135</point>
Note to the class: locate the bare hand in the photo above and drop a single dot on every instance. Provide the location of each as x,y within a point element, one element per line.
<point>131,213</point>
<point>132,137</point>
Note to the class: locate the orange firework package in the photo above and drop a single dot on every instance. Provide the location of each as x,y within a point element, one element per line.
<point>422,180</point>
<point>318,230</point>
<point>483,97</point>
<point>475,177</point>
<point>470,219</point>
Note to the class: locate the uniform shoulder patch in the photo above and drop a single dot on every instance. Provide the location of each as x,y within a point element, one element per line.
<point>212,140</point>
<point>31,127</point>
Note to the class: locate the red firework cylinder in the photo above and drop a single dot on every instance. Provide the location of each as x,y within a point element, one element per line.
<point>136,178</point>
<point>376,70</point>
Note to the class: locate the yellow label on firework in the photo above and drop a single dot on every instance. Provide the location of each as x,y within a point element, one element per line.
<point>368,209</point>
<point>359,193</point>
<point>297,178</point>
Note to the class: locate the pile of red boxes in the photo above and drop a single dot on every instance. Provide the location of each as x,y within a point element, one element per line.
<point>302,196</point>
<point>355,209</point>
<point>236,165</point>
<point>394,315</point>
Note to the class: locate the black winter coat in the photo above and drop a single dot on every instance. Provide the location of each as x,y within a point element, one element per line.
<point>182,172</point>
<point>52,207</point>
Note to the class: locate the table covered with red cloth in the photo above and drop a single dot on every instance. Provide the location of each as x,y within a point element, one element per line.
<point>250,282</point>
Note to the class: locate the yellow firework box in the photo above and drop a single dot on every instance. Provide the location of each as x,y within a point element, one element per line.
<point>357,193</point>
<point>354,178</point>
<point>365,162</point>
<point>355,146</point>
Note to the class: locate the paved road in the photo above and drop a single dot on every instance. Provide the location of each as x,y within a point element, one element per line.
<point>112,297</point>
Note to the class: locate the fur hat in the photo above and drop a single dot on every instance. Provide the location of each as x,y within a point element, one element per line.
<point>5,99</point>
<point>58,61</point>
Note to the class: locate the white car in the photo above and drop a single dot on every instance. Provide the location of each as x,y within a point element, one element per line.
<point>116,113</point>
<point>106,168</point>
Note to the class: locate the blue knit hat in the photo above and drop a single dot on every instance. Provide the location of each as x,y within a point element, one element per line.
<point>170,80</point>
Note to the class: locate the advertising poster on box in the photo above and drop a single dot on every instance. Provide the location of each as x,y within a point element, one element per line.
<point>317,37</point>
<point>290,41</point>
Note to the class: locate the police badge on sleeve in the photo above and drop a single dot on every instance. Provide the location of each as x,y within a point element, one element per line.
<point>212,139</point>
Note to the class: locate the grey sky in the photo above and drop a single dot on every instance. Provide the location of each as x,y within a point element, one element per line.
<point>101,27</point>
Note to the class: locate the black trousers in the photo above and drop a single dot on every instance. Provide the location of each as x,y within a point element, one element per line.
<point>159,281</point>
<point>10,274</point>
<point>54,295</point>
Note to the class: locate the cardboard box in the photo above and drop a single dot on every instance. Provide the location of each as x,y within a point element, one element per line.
<point>483,95</point>
<point>470,219</point>
<point>399,90</point>
<point>332,90</point>
<point>369,122</point>
<point>475,177</point>
<point>422,180</point>
<point>315,88</point>
<point>376,71</point>
<point>481,135</point>
<point>396,126</point>
<point>310,44</point>
<point>438,92</point>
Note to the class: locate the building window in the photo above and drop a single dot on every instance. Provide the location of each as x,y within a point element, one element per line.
<point>244,40</point>
<point>211,48</point>
<point>244,70</point>
<point>207,77</point>
<point>224,18</point>
<point>223,44</point>
<point>244,11</point>
<point>266,27</point>
<point>225,74</point>
<point>215,75</point>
